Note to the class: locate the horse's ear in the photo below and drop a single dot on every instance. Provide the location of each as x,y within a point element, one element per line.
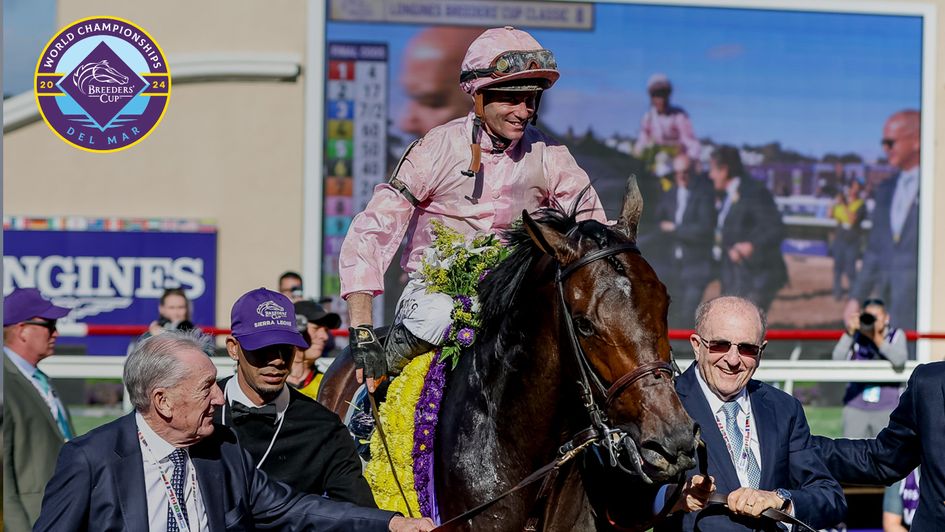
<point>548,240</point>
<point>632,209</point>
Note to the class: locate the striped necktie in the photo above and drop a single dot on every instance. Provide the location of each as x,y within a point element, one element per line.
<point>736,437</point>
<point>54,403</point>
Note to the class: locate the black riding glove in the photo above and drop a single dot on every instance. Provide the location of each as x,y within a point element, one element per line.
<point>367,352</point>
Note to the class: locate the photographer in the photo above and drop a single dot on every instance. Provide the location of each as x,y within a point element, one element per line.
<point>173,315</point>
<point>868,337</point>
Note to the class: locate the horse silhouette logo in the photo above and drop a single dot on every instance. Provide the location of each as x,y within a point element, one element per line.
<point>272,310</point>
<point>100,72</point>
<point>102,84</point>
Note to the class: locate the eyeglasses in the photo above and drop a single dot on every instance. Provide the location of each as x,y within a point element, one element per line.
<point>49,325</point>
<point>513,62</point>
<point>888,143</point>
<point>724,346</point>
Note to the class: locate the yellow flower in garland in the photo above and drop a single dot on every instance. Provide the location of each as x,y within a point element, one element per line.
<point>397,417</point>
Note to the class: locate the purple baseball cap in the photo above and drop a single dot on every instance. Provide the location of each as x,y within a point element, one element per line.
<point>24,304</point>
<point>261,318</point>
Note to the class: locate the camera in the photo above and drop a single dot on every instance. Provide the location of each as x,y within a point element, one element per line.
<point>867,324</point>
<point>184,325</point>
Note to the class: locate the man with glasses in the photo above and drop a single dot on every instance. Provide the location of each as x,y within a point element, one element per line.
<point>36,422</point>
<point>890,259</point>
<point>474,174</point>
<point>759,444</point>
<point>289,436</point>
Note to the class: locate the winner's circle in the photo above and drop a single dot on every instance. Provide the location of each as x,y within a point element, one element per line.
<point>102,84</point>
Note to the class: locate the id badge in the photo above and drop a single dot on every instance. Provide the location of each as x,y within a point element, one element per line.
<point>871,394</point>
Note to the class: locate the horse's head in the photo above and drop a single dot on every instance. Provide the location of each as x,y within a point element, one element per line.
<point>105,73</point>
<point>614,308</point>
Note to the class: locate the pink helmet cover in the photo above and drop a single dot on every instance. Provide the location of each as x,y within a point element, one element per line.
<point>492,43</point>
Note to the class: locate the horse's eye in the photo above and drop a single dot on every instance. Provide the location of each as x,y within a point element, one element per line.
<point>583,326</point>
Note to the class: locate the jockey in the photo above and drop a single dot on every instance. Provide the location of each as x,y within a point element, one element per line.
<point>473,187</point>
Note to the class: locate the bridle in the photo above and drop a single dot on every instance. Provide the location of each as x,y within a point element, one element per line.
<point>611,440</point>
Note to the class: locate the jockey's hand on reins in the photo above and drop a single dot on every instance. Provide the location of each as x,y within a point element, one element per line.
<point>368,354</point>
<point>695,494</point>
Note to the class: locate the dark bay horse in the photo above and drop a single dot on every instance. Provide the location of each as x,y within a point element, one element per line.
<point>515,398</point>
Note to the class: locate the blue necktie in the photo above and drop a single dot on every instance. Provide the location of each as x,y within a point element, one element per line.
<point>735,438</point>
<point>179,457</point>
<point>56,404</point>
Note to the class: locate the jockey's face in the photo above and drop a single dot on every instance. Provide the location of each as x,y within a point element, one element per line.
<point>506,113</point>
<point>261,373</point>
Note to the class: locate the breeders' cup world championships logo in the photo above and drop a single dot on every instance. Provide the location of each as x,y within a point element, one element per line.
<point>102,84</point>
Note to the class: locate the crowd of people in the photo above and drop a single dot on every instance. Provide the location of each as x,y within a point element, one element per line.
<point>255,451</point>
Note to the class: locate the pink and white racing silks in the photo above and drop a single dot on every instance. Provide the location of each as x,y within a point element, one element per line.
<point>532,173</point>
<point>671,129</point>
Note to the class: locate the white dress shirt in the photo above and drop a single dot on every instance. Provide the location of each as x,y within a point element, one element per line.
<point>233,392</point>
<point>154,486</point>
<point>744,410</point>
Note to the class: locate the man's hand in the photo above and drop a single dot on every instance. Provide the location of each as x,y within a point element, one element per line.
<point>744,250</point>
<point>695,494</point>
<point>369,358</point>
<point>399,523</point>
<point>751,502</point>
<point>667,226</point>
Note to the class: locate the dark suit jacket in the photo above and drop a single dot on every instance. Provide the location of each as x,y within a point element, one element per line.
<point>788,460</point>
<point>31,442</point>
<point>754,218</point>
<point>314,452</point>
<point>694,235</point>
<point>99,486</point>
<point>890,269</point>
<point>915,435</point>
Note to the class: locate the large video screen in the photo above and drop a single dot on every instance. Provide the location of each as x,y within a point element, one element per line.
<point>822,110</point>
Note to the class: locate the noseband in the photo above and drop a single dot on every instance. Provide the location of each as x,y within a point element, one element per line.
<point>611,439</point>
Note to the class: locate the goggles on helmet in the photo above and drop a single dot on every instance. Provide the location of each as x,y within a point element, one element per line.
<point>513,62</point>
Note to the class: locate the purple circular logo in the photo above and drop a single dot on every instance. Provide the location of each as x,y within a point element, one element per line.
<point>102,84</point>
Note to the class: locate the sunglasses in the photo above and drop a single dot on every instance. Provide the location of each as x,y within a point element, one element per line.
<point>724,346</point>
<point>888,143</point>
<point>49,325</point>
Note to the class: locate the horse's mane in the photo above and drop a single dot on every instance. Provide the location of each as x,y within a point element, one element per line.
<point>499,290</point>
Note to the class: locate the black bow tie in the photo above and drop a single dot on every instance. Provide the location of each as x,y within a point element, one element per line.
<point>242,413</point>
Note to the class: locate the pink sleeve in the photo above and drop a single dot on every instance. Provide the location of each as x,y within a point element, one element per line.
<point>375,234</point>
<point>643,141</point>
<point>566,180</point>
<point>687,136</point>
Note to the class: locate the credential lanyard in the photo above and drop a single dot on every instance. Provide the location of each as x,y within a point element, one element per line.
<point>272,442</point>
<point>176,507</point>
<point>741,462</point>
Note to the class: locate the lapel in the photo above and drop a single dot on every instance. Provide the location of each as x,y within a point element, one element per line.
<point>767,430</point>
<point>695,403</point>
<point>28,394</point>
<point>129,476</point>
<point>208,463</point>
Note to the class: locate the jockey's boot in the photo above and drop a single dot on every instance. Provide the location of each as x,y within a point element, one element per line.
<point>402,347</point>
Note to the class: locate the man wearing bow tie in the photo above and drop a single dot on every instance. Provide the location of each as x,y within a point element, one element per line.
<point>289,436</point>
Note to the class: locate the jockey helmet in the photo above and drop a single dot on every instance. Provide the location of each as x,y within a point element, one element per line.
<point>508,59</point>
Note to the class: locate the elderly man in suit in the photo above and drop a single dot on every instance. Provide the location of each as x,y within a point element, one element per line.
<point>168,467</point>
<point>914,436</point>
<point>36,423</point>
<point>687,216</point>
<point>759,444</point>
<point>749,231</point>
<point>890,260</point>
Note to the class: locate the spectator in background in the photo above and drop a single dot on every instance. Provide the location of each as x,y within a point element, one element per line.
<point>866,406</point>
<point>664,124</point>
<point>749,231</point>
<point>900,502</point>
<point>848,210</point>
<point>428,76</point>
<point>890,260</point>
<point>288,435</point>
<point>36,422</point>
<point>315,325</point>
<point>290,285</point>
<point>687,216</point>
<point>173,315</point>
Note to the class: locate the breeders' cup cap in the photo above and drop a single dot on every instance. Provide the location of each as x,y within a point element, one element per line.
<point>24,304</point>
<point>261,318</point>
